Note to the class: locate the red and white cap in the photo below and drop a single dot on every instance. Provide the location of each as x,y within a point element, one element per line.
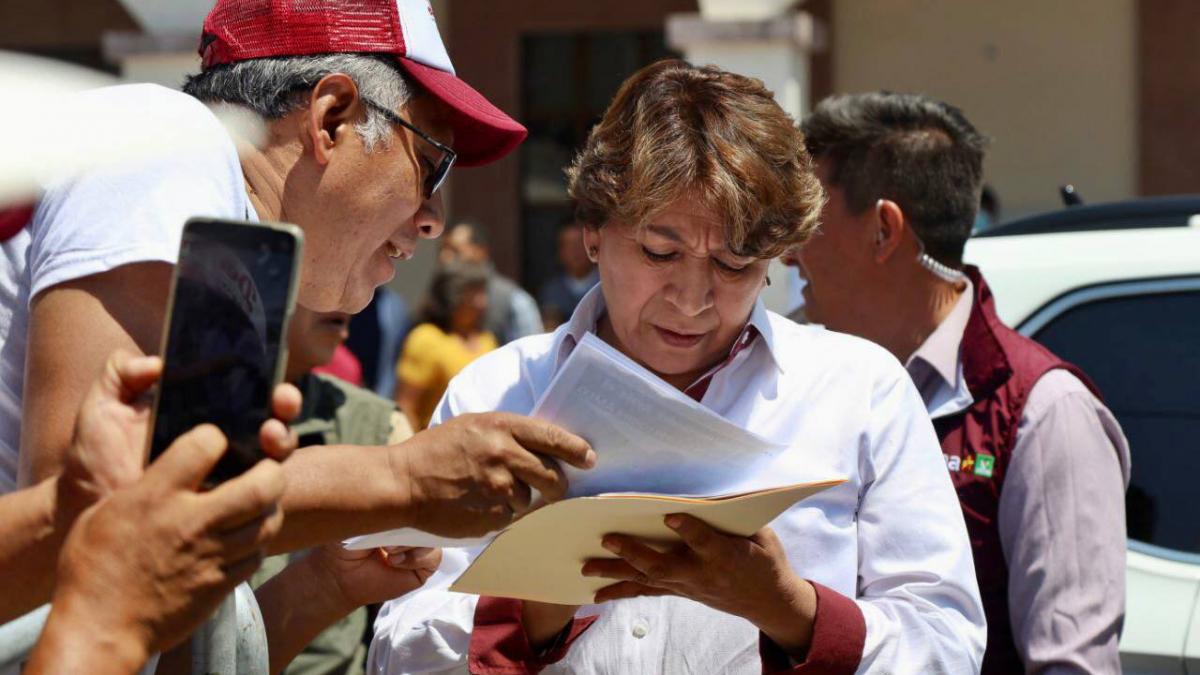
<point>13,219</point>
<point>237,30</point>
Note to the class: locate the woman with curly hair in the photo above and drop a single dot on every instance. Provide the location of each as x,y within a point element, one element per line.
<point>694,180</point>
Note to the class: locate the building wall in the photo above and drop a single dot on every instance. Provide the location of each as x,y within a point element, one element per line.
<point>1169,96</point>
<point>1054,84</point>
<point>484,38</point>
<point>65,29</point>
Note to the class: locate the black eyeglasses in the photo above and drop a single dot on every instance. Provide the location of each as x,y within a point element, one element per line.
<point>434,178</point>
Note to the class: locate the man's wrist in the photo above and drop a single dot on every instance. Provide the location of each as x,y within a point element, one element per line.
<point>315,573</point>
<point>62,502</point>
<point>399,458</point>
<point>75,630</point>
<point>71,498</point>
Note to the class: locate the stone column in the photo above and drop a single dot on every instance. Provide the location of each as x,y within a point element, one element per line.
<point>165,51</point>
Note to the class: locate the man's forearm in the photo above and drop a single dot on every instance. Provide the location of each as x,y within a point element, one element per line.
<point>297,604</point>
<point>334,492</point>
<point>31,533</point>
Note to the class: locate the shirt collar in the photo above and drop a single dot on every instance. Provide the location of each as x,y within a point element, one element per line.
<point>591,307</point>
<point>940,351</point>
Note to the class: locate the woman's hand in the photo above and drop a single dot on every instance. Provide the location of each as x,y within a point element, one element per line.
<point>744,576</point>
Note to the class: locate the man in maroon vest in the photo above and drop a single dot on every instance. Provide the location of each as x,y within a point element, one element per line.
<point>1039,463</point>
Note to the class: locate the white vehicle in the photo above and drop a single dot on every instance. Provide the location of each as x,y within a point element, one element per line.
<point>1115,289</point>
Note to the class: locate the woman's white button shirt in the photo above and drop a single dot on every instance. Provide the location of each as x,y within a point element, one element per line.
<point>891,538</point>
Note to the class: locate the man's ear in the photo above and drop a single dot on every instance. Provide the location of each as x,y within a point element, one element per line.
<point>889,229</point>
<point>334,107</point>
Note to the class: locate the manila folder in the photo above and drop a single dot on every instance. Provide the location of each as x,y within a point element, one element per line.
<point>539,556</point>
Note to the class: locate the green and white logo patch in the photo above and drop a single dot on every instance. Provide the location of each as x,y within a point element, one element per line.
<point>984,465</point>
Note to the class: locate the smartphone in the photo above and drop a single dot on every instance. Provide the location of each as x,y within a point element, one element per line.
<point>225,339</point>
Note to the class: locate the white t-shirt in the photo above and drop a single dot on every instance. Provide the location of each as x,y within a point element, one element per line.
<point>108,218</point>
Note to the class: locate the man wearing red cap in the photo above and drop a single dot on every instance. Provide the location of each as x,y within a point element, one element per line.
<point>364,118</point>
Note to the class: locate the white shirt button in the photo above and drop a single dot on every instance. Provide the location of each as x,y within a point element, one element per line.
<point>640,629</point>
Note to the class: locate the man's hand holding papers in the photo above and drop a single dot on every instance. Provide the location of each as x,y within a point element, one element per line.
<point>473,473</point>
<point>648,438</point>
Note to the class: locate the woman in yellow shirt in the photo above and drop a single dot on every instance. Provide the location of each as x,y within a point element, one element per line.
<point>450,336</point>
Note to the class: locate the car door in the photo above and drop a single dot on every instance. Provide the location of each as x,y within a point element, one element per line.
<point>1140,343</point>
<point>1191,650</point>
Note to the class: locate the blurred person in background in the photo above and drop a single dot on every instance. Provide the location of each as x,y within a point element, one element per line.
<point>376,336</point>
<point>343,364</point>
<point>334,412</point>
<point>512,313</point>
<point>560,294</point>
<point>363,122</point>
<point>450,336</point>
<point>1039,463</point>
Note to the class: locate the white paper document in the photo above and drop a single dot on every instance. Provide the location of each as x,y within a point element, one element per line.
<point>648,436</point>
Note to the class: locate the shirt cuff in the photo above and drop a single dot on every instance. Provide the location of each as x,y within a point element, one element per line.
<point>839,633</point>
<point>500,646</point>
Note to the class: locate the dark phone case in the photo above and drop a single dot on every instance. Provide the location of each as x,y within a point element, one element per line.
<point>225,335</point>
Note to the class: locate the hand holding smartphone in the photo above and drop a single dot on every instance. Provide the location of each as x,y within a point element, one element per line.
<point>225,341</point>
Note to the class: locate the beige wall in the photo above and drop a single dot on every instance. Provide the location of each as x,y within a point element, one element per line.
<point>1053,82</point>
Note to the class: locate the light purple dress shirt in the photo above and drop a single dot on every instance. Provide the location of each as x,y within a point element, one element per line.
<point>1062,509</point>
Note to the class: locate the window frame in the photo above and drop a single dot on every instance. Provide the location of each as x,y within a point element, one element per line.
<point>1105,291</point>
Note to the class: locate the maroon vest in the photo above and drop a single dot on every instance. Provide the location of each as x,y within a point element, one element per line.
<point>1000,367</point>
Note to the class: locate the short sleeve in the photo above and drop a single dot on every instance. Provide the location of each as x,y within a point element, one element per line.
<point>421,358</point>
<point>115,216</point>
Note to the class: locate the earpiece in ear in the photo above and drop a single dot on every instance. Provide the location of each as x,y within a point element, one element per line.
<point>878,211</point>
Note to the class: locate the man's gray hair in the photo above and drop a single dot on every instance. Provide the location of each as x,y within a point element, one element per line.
<point>274,87</point>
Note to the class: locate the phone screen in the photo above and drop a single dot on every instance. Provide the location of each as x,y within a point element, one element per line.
<point>225,337</point>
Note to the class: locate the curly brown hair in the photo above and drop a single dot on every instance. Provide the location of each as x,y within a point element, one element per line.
<point>676,129</point>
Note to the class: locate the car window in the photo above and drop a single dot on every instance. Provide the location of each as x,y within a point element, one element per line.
<point>1143,352</point>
